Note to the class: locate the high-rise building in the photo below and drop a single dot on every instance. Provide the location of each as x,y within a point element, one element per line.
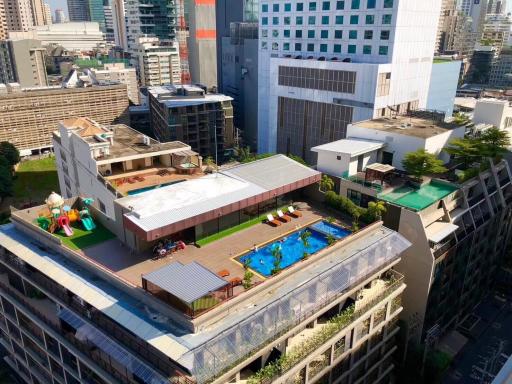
<point>497,31</point>
<point>109,24</point>
<point>47,14</point>
<point>3,22</point>
<point>87,10</point>
<point>25,63</point>
<point>190,114</point>
<point>158,64</point>
<point>202,42</point>
<point>497,7</point>
<point>447,19</point>
<point>60,16</point>
<point>119,23</point>
<point>19,16</point>
<point>501,69</point>
<point>29,116</point>
<point>38,12</point>
<point>117,72</point>
<point>325,64</point>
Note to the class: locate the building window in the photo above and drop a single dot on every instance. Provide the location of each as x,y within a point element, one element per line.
<point>354,19</point>
<point>340,5</point>
<point>386,19</point>
<point>323,47</point>
<point>339,20</point>
<point>368,35</point>
<point>263,45</point>
<point>370,19</point>
<point>298,34</point>
<point>299,20</point>
<point>355,196</point>
<point>337,48</point>
<point>325,20</point>
<point>312,5</point>
<point>338,157</point>
<point>275,33</point>
<point>311,34</point>
<point>286,46</point>
<point>288,7</point>
<point>338,34</point>
<point>264,21</point>
<point>275,8</point>
<point>275,21</point>
<point>326,6</point>
<point>352,48</point>
<point>311,20</point>
<point>356,4</point>
<point>324,34</point>
<point>320,79</point>
<point>286,33</point>
<point>264,7</point>
<point>298,47</point>
<point>367,49</point>
<point>371,4</point>
<point>383,84</point>
<point>352,35</point>
<point>384,35</point>
<point>102,206</point>
<point>383,50</point>
<point>389,3</point>
<point>287,20</point>
<point>300,7</point>
<point>275,46</point>
<point>311,47</point>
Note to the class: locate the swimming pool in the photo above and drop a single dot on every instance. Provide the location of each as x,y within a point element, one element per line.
<point>142,190</point>
<point>292,247</point>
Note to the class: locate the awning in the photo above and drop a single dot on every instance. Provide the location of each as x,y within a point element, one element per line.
<point>439,230</point>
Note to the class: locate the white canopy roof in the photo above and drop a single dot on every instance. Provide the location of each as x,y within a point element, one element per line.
<point>350,146</point>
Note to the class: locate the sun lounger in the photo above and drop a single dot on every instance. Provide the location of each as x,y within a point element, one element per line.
<point>235,281</point>
<point>223,273</point>
<point>283,217</point>
<point>272,221</point>
<point>293,213</point>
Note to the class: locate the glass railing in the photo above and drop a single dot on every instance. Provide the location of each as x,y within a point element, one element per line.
<point>361,181</point>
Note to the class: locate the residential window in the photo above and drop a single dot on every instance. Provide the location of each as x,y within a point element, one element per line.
<point>354,19</point>
<point>370,19</point>
<point>311,20</point>
<point>386,19</point>
<point>263,45</point>
<point>264,7</point>
<point>323,47</point>
<point>264,33</point>
<point>275,33</point>
<point>340,5</point>
<point>339,20</point>
<point>298,46</point>
<point>275,21</point>
<point>356,4</point>
<point>324,34</point>
<point>371,4</point>
<point>338,34</point>
<point>298,20</point>
<point>300,7</point>
<point>311,34</point>
<point>367,49</point>
<point>312,5</point>
<point>352,48</point>
<point>286,33</point>
<point>389,3</point>
<point>288,7</point>
<point>325,20</point>
<point>287,20</point>
<point>368,35</point>
<point>264,21</point>
<point>383,50</point>
<point>337,48</point>
<point>311,47</point>
<point>286,46</point>
<point>275,8</point>
<point>383,83</point>
<point>326,6</point>
<point>352,35</point>
<point>275,46</point>
<point>298,33</point>
<point>384,35</point>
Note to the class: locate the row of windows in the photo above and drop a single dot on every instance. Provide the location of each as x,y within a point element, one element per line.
<point>315,78</point>
<point>326,5</point>
<point>324,34</point>
<point>324,48</point>
<point>326,20</point>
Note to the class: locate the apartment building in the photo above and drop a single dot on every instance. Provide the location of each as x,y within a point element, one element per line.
<point>28,116</point>
<point>117,72</point>
<point>459,230</point>
<point>501,66</point>
<point>119,23</point>
<point>325,64</point>
<point>493,112</point>
<point>18,14</point>
<point>24,63</point>
<point>112,322</point>
<point>158,64</point>
<point>3,22</point>
<point>87,10</point>
<point>47,13</point>
<point>190,114</point>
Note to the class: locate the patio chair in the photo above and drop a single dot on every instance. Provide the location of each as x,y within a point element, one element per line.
<point>283,217</point>
<point>235,281</point>
<point>272,221</point>
<point>293,213</point>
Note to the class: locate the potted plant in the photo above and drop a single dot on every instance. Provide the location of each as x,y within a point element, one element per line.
<point>278,257</point>
<point>247,280</point>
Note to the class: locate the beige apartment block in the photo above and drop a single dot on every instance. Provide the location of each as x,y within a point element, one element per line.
<point>118,73</point>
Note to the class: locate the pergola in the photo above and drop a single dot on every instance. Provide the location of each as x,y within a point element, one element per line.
<point>378,171</point>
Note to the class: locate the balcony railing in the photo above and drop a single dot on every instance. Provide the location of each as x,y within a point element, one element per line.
<point>361,181</point>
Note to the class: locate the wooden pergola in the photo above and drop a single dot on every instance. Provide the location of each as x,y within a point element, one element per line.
<point>377,171</point>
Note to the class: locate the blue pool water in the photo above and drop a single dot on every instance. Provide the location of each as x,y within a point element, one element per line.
<point>142,190</point>
<point>292,247</point>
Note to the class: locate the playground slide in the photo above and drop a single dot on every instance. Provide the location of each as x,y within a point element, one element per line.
<point>88,223</point>
<point>67,230</point>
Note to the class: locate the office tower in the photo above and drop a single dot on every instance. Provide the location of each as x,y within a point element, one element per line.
<point>47,14</point>
<point>25,63</point>
<point>38,12</point>
<point>192,115</point>
<point>119,23</point>
<point>87,10</point>
<point>497,7</point>
<point>460,233</point>
<point>497,31</point>
<point>3,22</point>
<point>324,64</point>
<point>109,24</point>
<point>7,67</point>
<point>158,64</point>
<point>19,15</point>
<point>464,6</point>
<point>30,115</point>
<point>501,69</point>
<point>202,42</point>
<point>116,72</point>
<point>447,20</point>
<point>60,16</point>
<point>152,18</point>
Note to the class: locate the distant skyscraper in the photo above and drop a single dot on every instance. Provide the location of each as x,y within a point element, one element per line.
<point>19,15</point>
<point>47,14</point>
<point>3,22</point>
<point>87,10</point>
<point>60,16</point>
<point>109,24</point>
<point>497,7</point>
<point>119,23</point>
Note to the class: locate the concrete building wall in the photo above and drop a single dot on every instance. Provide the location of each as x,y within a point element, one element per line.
<point>3,22</point>
<point>492,111</point>
<point>19,15</point>
<point>117,72</point>
<point>119,23</point>
<point>29,58</point>
<point>443,86</point>
<point>158,64</point>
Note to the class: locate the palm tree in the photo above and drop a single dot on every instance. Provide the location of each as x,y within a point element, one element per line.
<point>326,184</point>
<point>376,209</point>
<point>304,237</point>
<point>277,253</point>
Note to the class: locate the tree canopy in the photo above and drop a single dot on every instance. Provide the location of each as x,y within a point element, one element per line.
<point>420,163</point>
<point>465,150</point>
<point>494,142</point>
<point>10,153</point>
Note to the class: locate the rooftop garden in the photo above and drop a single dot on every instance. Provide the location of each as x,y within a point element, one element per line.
<point>82,238</point>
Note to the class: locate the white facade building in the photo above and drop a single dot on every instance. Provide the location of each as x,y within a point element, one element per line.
<point>441,93</point>
<point>158,64</point>
<point>118,73</point>
<point>325,64</point>
<point>495,112</point>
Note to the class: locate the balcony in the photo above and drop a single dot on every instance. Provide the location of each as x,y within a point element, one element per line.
<point>360,179</point>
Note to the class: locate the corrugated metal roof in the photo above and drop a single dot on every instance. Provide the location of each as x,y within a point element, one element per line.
<point>272,172</point>
<point>351,146</point>
<point>187,282</point>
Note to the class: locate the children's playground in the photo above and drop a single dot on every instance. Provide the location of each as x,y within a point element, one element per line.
<point>74,225</point>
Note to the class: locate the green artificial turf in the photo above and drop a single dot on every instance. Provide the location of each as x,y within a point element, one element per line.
<point>82,238</point>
